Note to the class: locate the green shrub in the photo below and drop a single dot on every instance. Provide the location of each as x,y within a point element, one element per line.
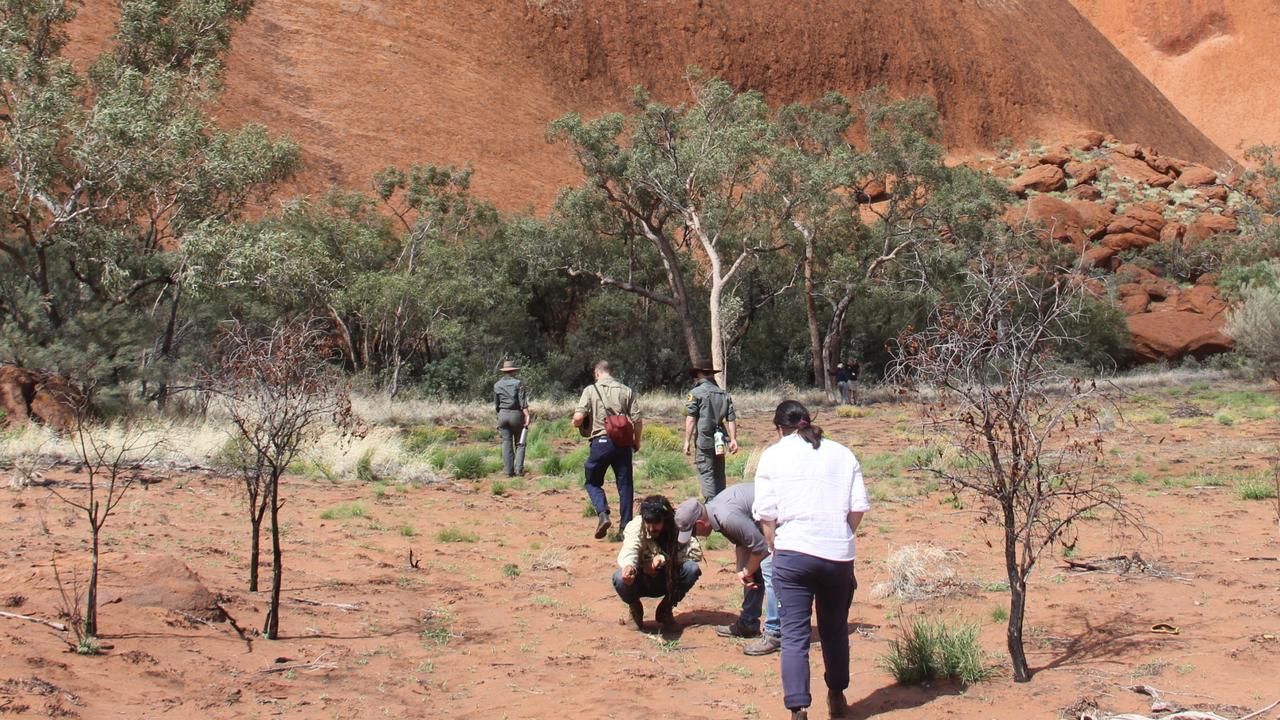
<point>999,615</point>
<point>469,464</point>
<point>576,458</point>
<point>663,467</point>
<point>736,465</point>
<point>511,570</point>
<point>407,530</point>
<point>934,650</point>
<point>1256,489</point>
<point>538,449</point>
<point>456,535</point>
<point>852,411</point>
<point>498,488</point>
<point>364,467</point>
<point>552,466</point>
<point>344,511</point>
<point>315,469</point>
<point>714,541</point>
<point>1225,418</point>
<point>661,437</point>
<point>484,434</point>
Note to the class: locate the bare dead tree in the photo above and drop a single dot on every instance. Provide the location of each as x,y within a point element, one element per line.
<point>281,393</point>
<point>112,461</point>
<point>1027,438</point>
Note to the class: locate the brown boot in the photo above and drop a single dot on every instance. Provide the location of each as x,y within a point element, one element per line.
<point>602,525</point>
<point>637,613</point>
<point>767,644</point>
<point>801,714</point>
<point>836,703</point>
<point>665,614</point>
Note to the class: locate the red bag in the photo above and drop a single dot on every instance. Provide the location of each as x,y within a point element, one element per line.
<point>617,427</point>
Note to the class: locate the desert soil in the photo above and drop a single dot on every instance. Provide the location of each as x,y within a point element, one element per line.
<point>521,621</point>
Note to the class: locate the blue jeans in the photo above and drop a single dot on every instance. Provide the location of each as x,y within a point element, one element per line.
<point>655,585</point>
<point>605,455</point>
<point>804,582</point>
<point>761,595</point>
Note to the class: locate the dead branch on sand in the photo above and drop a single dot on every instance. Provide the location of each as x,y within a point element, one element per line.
<point>309,665</point>
<point>28,618</point>
<point>344,607</point>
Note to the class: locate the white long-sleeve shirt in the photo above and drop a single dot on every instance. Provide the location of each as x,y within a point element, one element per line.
<point>809,494</point>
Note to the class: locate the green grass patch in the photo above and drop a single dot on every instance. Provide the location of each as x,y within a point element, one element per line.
<point>483,435</point>
<point>511,570</point>
<point>1256,489</point>
<point>407,530</point>
<point>315,469</point>
<point>714,541</point>
<point>423,438</point>
<point>664,467</point>
<point>852,411</point>
<point>469,464</point>
<point>1138,477</point>
<point>539,449</point>
<point>560,428</point>
<point>499,488</point>
<point>553,465</point>
<point>661,437</point>
<point>883,465</point>
<point>933,650</point>
<point>1158,418</point>
<point>1224,418</point>
<point>364,467</point>
<point>344,511</point>
<point>736,465</point>
<point>456,535</point>
<point>999,614</point>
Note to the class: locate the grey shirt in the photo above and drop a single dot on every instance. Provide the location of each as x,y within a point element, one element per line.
<point>712,407</point>
<point>730,513</point>
<point>510,394</point>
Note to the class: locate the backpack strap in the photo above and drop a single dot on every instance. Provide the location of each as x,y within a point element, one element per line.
<point>603,404</point>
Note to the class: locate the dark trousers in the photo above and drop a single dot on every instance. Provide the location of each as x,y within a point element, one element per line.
<point>605,455</point>
<point>655,585</point>
<point>510,425</point>
<point>711,479</point>
<point>801,583</point>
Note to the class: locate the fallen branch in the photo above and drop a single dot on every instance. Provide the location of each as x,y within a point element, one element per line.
<point>311,665</point>
<point>1196,715</point>
<point>345,607</point>
<point>28,618</point>
<point>1263,558</point>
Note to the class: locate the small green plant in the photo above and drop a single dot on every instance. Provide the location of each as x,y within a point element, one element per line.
<point>999,615</point>
<point>1158,418</point>
<point>407,530</point>
<point>88,645</point>
<point>661,437</point>
<point>437,627</point>
<point>1225,418</point>
<point>552,465</point>
<point>544,601</point>
<point>588,510</point>
<point>1137,477</point>
<point>484,434</point>
<point>499,488</point>
<point>933,650</point>
<point>469,464</point>
<point>455,535</point>
<point>1256,489</point>
<point>344,511</point>
<point>364,468</point>
<point>997,587</point>
<point>852,411</point>
<point>511,570</point>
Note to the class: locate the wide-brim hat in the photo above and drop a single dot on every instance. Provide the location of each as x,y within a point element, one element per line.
<point>509,366</point>
<point>705,369</point>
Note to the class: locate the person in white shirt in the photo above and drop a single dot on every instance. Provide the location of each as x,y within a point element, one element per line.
<point>809,500</point>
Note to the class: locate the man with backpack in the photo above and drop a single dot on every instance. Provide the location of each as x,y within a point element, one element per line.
<point>609,414</point>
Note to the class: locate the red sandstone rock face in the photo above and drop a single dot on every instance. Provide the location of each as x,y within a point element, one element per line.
<point>1055,218</point>
<point>1176,334</point>
<point>1138,171</point>
<point>46,399</point>
<point>1197,175</point>
<point>1210,224</point>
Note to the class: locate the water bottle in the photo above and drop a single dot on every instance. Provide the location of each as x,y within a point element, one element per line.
<point>719,442</point>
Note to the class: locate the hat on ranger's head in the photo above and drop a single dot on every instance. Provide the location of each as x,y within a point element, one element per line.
<point>688,514</point>
<point>509,366</point>
<point>702,366</point>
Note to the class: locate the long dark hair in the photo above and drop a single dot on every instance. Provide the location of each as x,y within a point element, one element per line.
<point>791,416</point>
<point>658,507</point>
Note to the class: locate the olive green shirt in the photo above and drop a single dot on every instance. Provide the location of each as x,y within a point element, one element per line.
<point>617,398</point>
<point>510,394</point>
<point>712,407</point>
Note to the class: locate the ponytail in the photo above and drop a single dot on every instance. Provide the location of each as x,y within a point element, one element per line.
<point>791,416</point>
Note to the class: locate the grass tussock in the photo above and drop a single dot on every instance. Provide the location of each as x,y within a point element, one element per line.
<point>919,572</point>
<point>936,650</point>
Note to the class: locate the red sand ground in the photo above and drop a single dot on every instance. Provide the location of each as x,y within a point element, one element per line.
<point>459,638</point>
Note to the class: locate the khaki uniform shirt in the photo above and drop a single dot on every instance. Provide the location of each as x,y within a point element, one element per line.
<point>510,394</point>
<point>713,407</point>
<point>618,398</point>
<point>638,548</point>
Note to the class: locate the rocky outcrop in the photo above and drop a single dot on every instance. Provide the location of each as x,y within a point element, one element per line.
<point>40,397</point>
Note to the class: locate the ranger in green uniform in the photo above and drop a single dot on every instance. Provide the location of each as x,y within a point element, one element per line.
<point>709,412</point>
<point>511,401</point>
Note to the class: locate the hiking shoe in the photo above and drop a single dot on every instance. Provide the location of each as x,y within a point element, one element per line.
<point>766,645</point>
<point>836,704</point>
<point>665,614</point>
<point>737,629</point>
<point>602,525</point>
<point>801,714</point>
<point>637,613</point>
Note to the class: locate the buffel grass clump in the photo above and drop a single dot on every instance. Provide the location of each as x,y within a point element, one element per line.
<point>919,572</point>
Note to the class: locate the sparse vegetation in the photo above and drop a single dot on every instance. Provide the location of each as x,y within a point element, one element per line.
<point>345,511</point>
<point>929,649</point>
<point>456,535</point>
